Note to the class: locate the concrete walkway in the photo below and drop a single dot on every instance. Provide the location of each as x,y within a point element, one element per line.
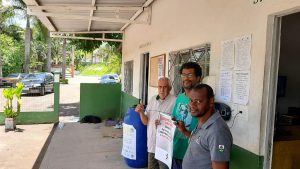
<point>75,146</point>
<point>84,146</point>
<point>19,150</point>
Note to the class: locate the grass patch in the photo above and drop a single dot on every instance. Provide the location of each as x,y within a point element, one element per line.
<point>64,81</point>
<point>97,70</point>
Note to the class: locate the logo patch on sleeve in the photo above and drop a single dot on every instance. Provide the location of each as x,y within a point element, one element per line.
<point>221,148</point>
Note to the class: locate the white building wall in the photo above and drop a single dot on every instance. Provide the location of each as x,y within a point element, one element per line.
<point>178,24</point>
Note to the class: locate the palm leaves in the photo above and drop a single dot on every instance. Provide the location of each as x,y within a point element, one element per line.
<point>9,95</point>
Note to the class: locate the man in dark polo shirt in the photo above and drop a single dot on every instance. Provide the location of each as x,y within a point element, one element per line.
<point>211,141</point>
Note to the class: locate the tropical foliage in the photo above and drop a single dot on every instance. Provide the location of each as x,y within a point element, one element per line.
<point>24,49</point>
<point>9,94</point>
<point>110,61</point>
<point>12,51</point>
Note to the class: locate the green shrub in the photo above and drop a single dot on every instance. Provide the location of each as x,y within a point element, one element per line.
<point>64,81</point>
<point>9,95</point>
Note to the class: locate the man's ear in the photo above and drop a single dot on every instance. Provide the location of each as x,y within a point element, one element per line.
<point>212,102</point>
<point>199,79</point>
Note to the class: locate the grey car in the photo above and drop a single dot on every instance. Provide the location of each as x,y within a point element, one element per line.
<point>38,83</point>
<point>12,79</point>
<point>109,79</point>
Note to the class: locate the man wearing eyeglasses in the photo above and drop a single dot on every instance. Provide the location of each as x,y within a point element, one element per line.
<point>211,141</point>
<point>190,73</point>
<point>161,103</point>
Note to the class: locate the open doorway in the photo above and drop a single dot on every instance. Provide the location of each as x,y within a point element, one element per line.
<point>286,140</point>
<point>144,77</point>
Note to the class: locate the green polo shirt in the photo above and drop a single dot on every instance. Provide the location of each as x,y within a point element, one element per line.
<point>181,113</point>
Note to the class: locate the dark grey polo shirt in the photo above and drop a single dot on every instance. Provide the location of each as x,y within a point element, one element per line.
<point>210,142</point>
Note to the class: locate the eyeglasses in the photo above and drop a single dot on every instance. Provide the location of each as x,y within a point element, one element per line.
<point>190,75</point>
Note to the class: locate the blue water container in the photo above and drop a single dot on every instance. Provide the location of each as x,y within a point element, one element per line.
<point>141,161</point>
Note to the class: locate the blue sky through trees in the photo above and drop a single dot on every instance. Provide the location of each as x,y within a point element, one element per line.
<point>15,20</point>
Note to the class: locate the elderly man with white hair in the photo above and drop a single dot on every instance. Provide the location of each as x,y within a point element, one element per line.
<point>161,103</point>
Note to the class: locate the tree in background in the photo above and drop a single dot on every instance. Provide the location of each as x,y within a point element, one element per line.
<point>112,58</point>
<point>12,51</point>
<point>39,47</point>
<point>110,61</point>
<point>5,14</point>
<point>20,9</point>
<point>39,54</point>
<point>64,51</point>
<point>79,55</point>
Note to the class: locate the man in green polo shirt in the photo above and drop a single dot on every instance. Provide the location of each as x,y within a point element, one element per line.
<point>191,74</point>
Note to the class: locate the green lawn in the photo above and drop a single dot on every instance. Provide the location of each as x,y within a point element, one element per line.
<point>97,69</point>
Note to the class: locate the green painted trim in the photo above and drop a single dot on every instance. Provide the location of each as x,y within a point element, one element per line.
<point>56,98</point>
<point>33,117</point>
<point>39,117</point>
<point>126,102</point>
<point>102,100</point>
<point>261,162</point>
<point>241,158</point>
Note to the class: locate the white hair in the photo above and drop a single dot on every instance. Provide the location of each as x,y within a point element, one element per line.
<point>166,79</point>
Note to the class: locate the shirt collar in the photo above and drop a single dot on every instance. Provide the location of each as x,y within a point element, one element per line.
<point>159,100</point>
<point>211,120</point>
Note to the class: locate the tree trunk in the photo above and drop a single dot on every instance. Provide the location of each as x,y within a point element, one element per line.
<point>73,57</point>
<point>27,45</point>
<point>64,59</point>
<point>48,67</point>
<point>1,63</point>
<point>92,59</point>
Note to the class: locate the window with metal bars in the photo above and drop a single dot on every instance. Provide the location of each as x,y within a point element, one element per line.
<point>128,77</point>
<point>200,54</point>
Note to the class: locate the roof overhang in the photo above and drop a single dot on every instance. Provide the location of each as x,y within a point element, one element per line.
<point>66,18</point>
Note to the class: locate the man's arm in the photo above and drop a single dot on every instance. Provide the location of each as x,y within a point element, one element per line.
<point>220,147</point>
<point>220,164</point>
<point>140,109</point>
<point>181,127</point>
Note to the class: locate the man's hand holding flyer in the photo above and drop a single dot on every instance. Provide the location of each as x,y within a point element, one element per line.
<point>164,139</point>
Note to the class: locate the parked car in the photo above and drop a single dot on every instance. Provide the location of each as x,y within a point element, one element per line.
<point>109,79</point>
<point>38,83</point>
<point>12,79</point>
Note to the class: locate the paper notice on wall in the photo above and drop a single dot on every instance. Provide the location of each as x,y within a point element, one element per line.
<point>225,86</point>
<point>241,87</point>
<point>164,139</point>
<point>243,53</point>
<point>129,142</point>
<point>161,67</point>
<point>227,55</point>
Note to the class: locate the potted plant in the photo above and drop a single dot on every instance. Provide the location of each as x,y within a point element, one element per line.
<point>9,112</point>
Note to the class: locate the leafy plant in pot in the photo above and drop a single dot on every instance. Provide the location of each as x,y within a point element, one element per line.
<point>9,112</point>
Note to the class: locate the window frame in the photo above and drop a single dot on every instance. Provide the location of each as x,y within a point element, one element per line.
<point>199,54</point>
<point>128,77</point>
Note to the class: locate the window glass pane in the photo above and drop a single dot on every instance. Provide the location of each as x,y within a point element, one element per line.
<point>128,77</point>
<point>201,55</point>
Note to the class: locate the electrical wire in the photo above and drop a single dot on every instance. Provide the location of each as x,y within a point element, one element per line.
<point>234,120</point>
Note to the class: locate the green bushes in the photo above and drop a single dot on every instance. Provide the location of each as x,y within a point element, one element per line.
<point>64,81</point>
<point>9,95</point>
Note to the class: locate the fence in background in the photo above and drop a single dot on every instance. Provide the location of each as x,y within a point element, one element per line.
<point>36,108</point>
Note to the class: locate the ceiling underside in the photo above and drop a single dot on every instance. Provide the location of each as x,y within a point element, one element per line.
<point>87,15</point>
